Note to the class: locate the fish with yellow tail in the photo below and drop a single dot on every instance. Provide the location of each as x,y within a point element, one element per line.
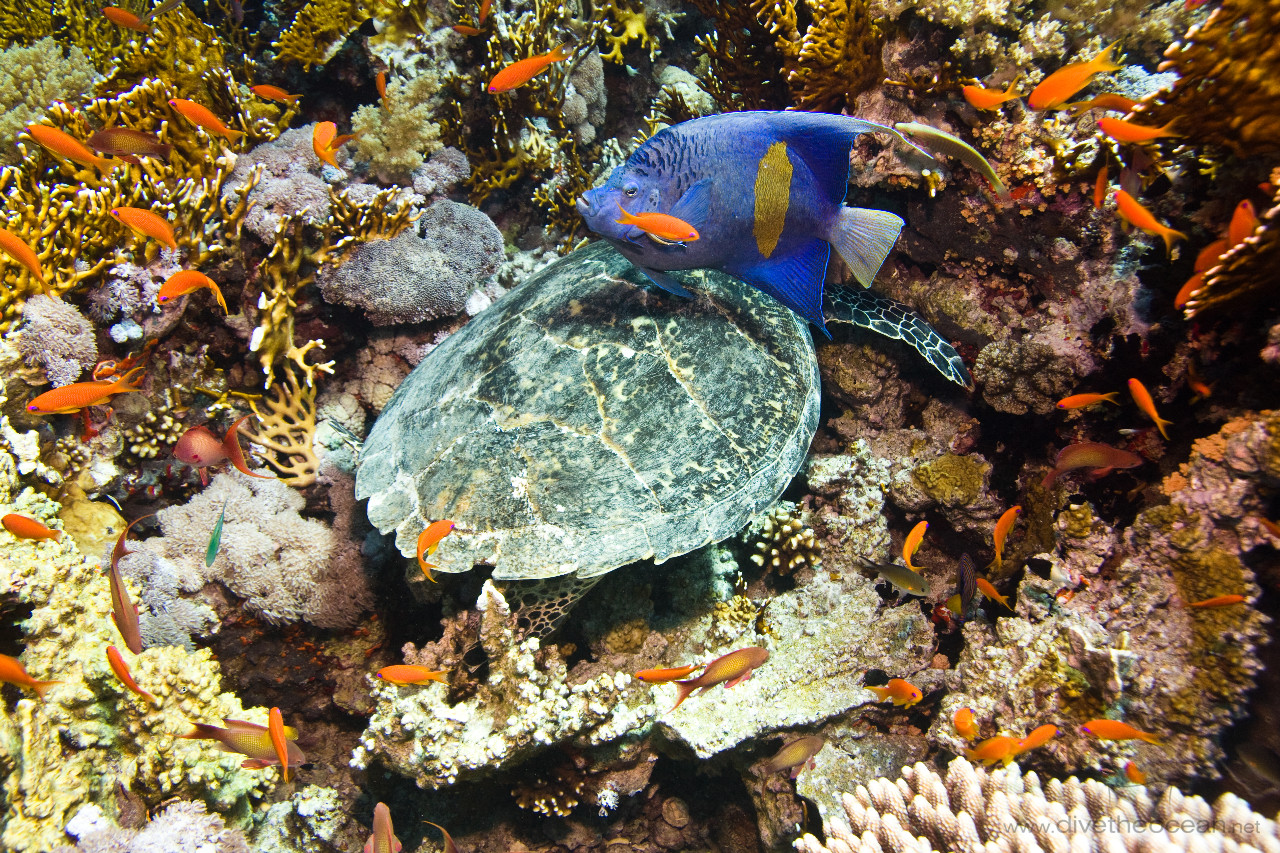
<point>953,146</point>
<point>1116,730</point>
<point>1036,739</point>
<point>1132,211</point>
<point>903,693</point>
<point>730,670</point>
<point>522,71</point>
<point>201,449</point>
<point>13,672</point>
<point>116,661</point>
<point>795,755</point>
<point>1090,454</point>
<point>81,395</point>
<point>383,839</point>
<point>250,740</point>
<point>428,541</point>
<point>992,594</point>
<point>17,249</point>
<point>1054,91</point>
<point>903,579</point>
<point>1142,397</point>
<point>1003,525</point>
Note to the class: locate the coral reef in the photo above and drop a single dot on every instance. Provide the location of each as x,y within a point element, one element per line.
<point>974,809</point>
<point>56,336</point>
<point>396,135</point>
<point>32,78</point>
<point>182,825</point>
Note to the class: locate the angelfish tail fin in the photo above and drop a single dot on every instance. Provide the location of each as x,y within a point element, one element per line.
<point>864,238</point>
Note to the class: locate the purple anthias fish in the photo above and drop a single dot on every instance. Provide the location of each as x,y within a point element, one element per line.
<point>765,191</point>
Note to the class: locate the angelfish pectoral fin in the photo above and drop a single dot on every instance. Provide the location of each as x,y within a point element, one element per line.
<point>695,205</point>
<point>795,280</point>
<point>864,238</point>
<point>666,282</point>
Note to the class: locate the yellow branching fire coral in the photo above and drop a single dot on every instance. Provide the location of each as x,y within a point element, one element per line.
<point>1248,270</point>
<point>838,58</point>
<point>627,25</point>
<point>319,29</point>
<point>1228,80</point>
<point>288,429</point>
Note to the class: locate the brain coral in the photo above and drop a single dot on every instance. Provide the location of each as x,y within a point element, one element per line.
<point>424,273</point>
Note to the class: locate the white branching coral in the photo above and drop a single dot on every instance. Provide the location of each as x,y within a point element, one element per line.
<point>974,810</point>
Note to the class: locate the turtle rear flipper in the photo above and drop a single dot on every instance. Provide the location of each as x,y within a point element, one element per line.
<point>867,309</point>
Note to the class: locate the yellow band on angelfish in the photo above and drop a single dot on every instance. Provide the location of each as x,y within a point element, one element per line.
<point>773,197</point>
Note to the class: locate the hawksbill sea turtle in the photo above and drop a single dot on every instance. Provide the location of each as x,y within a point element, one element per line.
<point>587,420</point>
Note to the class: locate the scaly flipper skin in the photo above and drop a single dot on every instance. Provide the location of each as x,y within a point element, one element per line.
<point>867,309</point>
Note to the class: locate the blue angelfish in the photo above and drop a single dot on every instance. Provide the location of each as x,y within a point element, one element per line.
<point>765,192</point>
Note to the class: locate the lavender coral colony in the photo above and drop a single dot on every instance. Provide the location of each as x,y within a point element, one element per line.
<point>526,426</point>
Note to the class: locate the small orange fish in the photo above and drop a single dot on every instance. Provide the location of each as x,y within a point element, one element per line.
<point>81,395</point>
<point>985,587</point>
<point>202,116</point>
<point>466,30</point>
<point>1003,525</point>
<point>251,740</point>
<point>1079,401</point>
<point>25,527</point>
<point>663,228</point>
<point>187,281</point>
<point>1090,454</point>
<point>201,449</point>
<point>428,541</point>
<point>383,839</point>
<point>1244,221</point>
<point>965,725</point>
<point>449,846</point>
<point>1200,390</point>
<point>484,10</point>
<point>125,18</point>
<point>1188,290</point>
<point>912,544</point>
<point>121,669</point>
<point>1106,101</point>
<point>146,223</point>
<point>129,144</point>
<point>15,247</point>
<point>1133,774</point>
<point>902,692</point>
<point>522,71</point>
<point>795,755</point>
<point>1116,730</point>
<point>1142,397</point>
<point>411,674</point>
<point>730,670</point>
<point>1054,90</point>
<point>1208,257</point>
<point>662,676</point>
<point>275,729</point>
<point>1038,737</point>
<point>380,81</point>
<point>67,147</point>
<point>123,611</point>
<point>13,672</point>
<point>1219,601</point>
<point>989,99</point>
<point>1132,211</point>
<point>1000,748</point>
<point>1100,188</point>
<point>1126,131</point>
<point>273,93</point>
<point>325,141</point>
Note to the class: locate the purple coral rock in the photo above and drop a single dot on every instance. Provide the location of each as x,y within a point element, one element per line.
<point>288,185</point>
<point>58,336</point>
<point>424,273</point>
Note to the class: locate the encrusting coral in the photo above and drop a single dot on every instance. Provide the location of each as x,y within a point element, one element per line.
<point>181,826</point>
<point>976,810</point>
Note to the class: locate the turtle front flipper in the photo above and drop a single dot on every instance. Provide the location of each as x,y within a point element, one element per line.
<point>867,309</point>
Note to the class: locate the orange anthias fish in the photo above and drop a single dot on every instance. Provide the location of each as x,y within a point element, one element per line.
<point>125,18</point>
<point>187,281</point>
<point>999,748</point>
<point>662,676</point>
<point>990,592</point>
<point>325,141</point>
<point>1126,131</point>
<point>1090,454</point>
<point>1100,188</point>
<point>1055,90</point>
<point>81,395</point>
<point>484,10</point>
<point>411,674</point>
<point>123,611</point>
<point>522,71</point>
<point>466,30</point>
<point>67,147</point>
<point>202,116</point>
<point>912,544</point>
<point>1142,397</point>
<point>1106,101</point>
<point>965,725</point>
<point>201,449</point>
<point>1003,525</point>
<point>251,740</point>
<point>449,846</point>
<point>1038,737</point>
<point>146,223</point>
<point>1244,221</point>
<point>275,730</point>
<point>795,755</point>
<point>1116,730</point>
<point>1188,290</point>
<point>989,99</point>
<point>25,527</point>
<point>383,839</point>
<point>129,144</point>
<point>902,692</point>
<point>663,228</point>
<point>1132,211</point>
<point>13,672</point>
<point>1219,601</point>
<point>1133,774</point>
<point>1079,401</point>
<point>428,541</point>
<point>121,669</point>
<point>1208,257</point>
<point>730,670</point>
<point>15,247</point>
<point>273,93</point>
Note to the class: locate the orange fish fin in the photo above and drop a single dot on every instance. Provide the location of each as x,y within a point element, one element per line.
<point>683,689</point>
<point>231,446</point>
<point>257,764</point>
<point>125,383</point>
<point>41,686</point>
<point>217,293</point>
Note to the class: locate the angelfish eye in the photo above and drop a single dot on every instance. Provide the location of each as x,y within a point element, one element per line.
<point>630,189</point>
